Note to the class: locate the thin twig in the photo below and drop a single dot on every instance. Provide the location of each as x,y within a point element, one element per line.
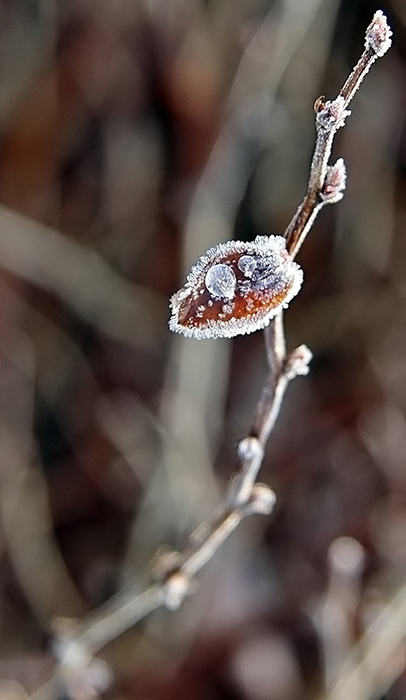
<point>327,183</point>
<point>283,368</point>
<point>173,573</point>
<point>326,186</point>
<point>242,498</point>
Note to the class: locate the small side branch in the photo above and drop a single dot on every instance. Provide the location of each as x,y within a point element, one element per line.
<point>172,575</point>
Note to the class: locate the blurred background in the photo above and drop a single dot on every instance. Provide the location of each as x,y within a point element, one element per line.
<point>134,134</point>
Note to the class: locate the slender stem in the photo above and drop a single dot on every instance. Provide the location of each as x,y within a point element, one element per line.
<point>330,116</point>
<point>275,343</point>
<point>275,384</point>
<point>120,613</point>
<point>173,573</point>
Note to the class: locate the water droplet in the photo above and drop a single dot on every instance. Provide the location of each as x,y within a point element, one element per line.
<point>221,281</point>
<point>247,265</point>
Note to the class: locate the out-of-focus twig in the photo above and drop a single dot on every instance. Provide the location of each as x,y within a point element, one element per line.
<point>335,614</point>
<point>24,509</point>
<point>174,572</point>
<point>369,670</point>
<point>81,278</point>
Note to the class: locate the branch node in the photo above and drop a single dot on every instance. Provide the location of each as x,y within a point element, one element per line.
<point>331,115</point>
<point>262,499</point>
<point>297,362</point>
<point>177,587</point>
<point>250,450</point>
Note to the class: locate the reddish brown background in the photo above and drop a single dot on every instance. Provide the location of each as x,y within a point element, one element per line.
<point>142,132</point>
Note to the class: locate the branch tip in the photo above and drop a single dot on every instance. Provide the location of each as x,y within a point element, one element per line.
<point>378,35</point>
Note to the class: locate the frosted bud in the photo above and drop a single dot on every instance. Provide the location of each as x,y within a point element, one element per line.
<point>297,363</point>
<point>332,114</point>
<point>378,35</point>
<point>334,183</point>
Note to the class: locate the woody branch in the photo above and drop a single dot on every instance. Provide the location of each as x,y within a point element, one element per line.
<point>326,186</point>
<point>172,575</point>
<point>327,182</point>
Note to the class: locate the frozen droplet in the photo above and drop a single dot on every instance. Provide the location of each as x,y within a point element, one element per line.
<point>221,281</point>
<point>247,265</point>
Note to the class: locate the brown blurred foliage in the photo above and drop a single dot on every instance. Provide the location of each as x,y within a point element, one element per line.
<point>134,135</point>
